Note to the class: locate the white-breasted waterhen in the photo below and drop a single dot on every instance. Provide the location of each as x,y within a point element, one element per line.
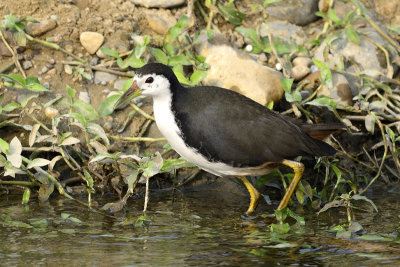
<point>224,132</point>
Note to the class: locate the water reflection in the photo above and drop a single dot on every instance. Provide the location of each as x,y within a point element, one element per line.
<point>188,229</point>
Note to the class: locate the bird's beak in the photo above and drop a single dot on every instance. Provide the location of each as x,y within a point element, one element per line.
<point>128,95</point>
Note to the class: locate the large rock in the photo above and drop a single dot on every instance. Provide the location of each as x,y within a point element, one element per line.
<point>365,57</point>
<point>91,41</point>
<point>299,12</point>
<point>285,31</point>
<point>234,70</point>
<point>158,3</point>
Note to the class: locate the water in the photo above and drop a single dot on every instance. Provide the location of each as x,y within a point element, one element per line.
<point>190,229</point>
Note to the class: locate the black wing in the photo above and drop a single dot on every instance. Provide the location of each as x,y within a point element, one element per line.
<point>229,127</point>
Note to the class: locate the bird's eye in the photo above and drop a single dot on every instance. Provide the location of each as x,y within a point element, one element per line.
<point>150,80</point>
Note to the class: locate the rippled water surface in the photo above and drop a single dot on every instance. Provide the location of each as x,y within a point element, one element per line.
<point>189,229</point>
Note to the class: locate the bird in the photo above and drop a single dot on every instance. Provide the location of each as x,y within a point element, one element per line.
<point>224,132</point>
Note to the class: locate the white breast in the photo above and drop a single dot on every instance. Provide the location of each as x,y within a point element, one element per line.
<point>168,127</point>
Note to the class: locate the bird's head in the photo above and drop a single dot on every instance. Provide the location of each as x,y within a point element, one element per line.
<point>153,79</point>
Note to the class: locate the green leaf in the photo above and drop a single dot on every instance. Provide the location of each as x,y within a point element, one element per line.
<point>251,34</point>
<point>4,146</point>
<point>179,60</point>
<point>11,106</point>
<point>17,78</point>
<point>71,93</point>
<point>100,157</point>
<point>280,228</point>
<point>85,109</point>
<point>36,87</point>
<point>89,179</point>
<point>371,237</point>
<point>364,198</point>
<point>267,2</point>
<point>159,55</point>
<point>96,129</point>
<point>177,29</point>
<point>326,73</point>
<point>300,220</point>
<point>230,13</point>
<point>14,157</point>
<point>38,162</point>
<point>127,84</point>
<point>198,76</point>
<point>134,62</point>
<point>26,196</point>
<point>25,100</point>
<point>370,123</point>
<point>352,35</point>
<point>169,48</point>
<point>333,17</point>
<point>322,101</point>
<point>107,106</point>
<point>109,52</point>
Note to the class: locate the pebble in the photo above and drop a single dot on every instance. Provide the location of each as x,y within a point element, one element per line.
<point>52,71</point>
<point>69,48</point>
<point>299,72</point>
<point>51,112</point>
<point>91,41</point>
<point>94,61</point>
<point>44,70</point>
<point>104,77</point>
<point>27,65</point>
<point>249,48</point>
<point>37,29</point>
<point>68,69</point>
<point>302,61</point>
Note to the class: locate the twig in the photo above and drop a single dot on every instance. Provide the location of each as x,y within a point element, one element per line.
<point>146,197</point>
<point>23,183</point>
<point>15,57</point>
<point>119,73</point>
<point>141,111</point>
<point>383,158</point>
<point>136,139</point>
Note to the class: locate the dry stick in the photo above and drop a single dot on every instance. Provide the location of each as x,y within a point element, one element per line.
<point>383,158</point>
<point>119,73</point>
<point>141,111</point>
<point>146,197</point>
<point>342,150</point>
<point>136,139</point>
<point>15,57</point>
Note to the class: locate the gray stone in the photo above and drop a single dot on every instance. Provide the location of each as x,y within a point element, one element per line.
<point>367,57</point>
<point>91,41</point>
<point>27,65</point>
<point>285,31</point>
<point>302,61</point>
<point>235,70</point>
<point>37,29</point>
<point>299,72</point>
<point>84,96</point>
<point>341,92</point>
<point>101,76</point>
<point>158,3</point>
<point>119,41</point>
<point>299,12</point>
<point>119,83</point>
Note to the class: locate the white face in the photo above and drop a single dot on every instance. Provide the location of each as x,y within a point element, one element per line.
<point>153,85</point>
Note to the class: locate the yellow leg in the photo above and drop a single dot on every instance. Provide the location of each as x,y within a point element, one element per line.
<point>298,169</point>
<point>254,195</point>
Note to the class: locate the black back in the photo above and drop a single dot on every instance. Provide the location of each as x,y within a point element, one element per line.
<point>228,127</point>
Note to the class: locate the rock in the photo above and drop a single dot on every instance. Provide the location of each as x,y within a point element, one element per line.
<point>101,76</point>
<point>365,56</point>
<point>119,83</point>
<point>299,72</point>
<point>234,70</point>
<point>119,41</point>
<point>68,69</point>
<point>158,3</point>
<point>284,30</point>
<point>299,12</point>
<point>37,29</point>
<point>341,92</point>
<point>159,21</point>
<point>9,36</point>
<point>91,41</point>
<point>84,96</point>
<point>27,64</point>
<point>50,112</point>
<point>94,61</point>
<point>302,61</point>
